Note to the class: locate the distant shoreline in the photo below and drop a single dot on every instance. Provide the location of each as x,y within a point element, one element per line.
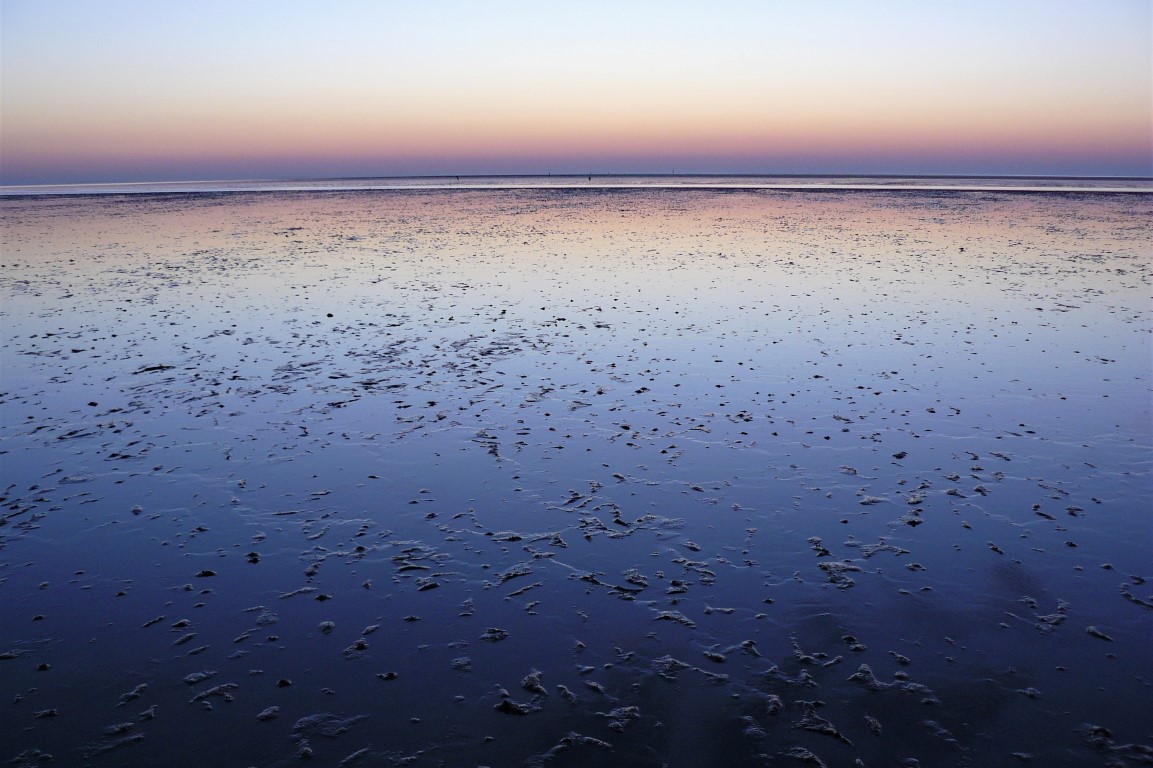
<point>778,182</point>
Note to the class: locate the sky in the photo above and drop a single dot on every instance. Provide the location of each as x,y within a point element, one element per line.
<point>139,90</point>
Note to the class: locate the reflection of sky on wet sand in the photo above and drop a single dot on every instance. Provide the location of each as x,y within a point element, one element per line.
<point>918,420</point>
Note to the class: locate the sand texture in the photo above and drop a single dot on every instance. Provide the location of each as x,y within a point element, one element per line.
<point>566,477</point>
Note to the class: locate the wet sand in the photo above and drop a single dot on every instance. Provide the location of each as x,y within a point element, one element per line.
<point>571,477</point>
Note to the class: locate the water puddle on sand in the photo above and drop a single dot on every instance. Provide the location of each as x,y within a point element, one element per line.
<point>576,478</point>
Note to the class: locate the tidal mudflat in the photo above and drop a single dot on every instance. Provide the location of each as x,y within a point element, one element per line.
<point>577,478</point>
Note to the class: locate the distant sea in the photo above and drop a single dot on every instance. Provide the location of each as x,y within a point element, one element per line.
<point>597,181</point>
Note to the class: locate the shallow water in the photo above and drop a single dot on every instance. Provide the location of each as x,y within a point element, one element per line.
<point>760,477</point>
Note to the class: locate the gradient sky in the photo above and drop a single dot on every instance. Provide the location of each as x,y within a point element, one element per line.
<point>136,90</point>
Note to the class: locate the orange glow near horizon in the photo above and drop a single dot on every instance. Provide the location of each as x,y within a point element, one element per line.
<point>599,134</point>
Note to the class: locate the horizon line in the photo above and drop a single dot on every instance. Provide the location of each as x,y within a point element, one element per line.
<point>588,175</point>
